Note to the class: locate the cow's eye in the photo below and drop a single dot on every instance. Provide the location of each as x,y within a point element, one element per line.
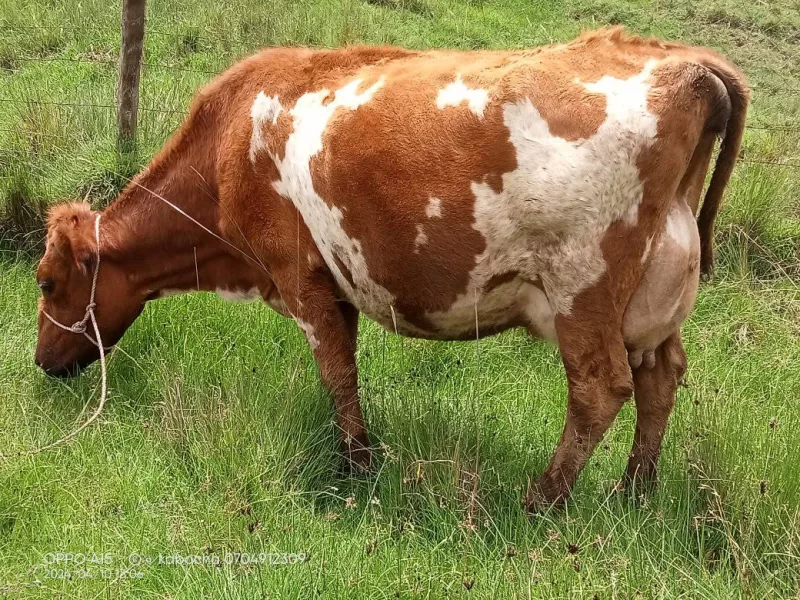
<point>46,285</point>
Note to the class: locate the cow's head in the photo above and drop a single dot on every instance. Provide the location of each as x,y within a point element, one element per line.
<point>65,276</point>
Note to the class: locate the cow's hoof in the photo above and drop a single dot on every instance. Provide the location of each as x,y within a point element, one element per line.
<point>636,487</point>
<point>358,456</point>
<point>538,499</point>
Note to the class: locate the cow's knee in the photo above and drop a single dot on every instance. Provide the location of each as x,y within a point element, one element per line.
<point>675,355</point>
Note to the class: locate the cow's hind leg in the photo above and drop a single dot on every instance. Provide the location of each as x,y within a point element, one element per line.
<point>599,380</point>
<point>654,391</point>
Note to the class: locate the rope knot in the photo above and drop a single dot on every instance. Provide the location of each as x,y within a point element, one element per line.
<point>79,327</point>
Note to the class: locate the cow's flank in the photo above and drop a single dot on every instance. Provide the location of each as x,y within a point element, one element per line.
<point>445,195</point>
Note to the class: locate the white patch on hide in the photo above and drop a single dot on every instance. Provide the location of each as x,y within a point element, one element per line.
<point>648,246</point>
<point>239,295</point>
<point>626,103</point>
<point>265,109</point>
<point>308,329</point>
<point>434,208</point>
<point>683,231</point>
<point>455,93</point>
<point>311,117</point>
<point>421,239</point>
<point>546,223</point>
<point>555,207</point>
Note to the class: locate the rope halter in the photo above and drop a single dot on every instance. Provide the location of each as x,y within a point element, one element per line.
<point>81,326</point>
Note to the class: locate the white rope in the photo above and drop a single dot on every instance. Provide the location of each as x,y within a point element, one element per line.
<point>89,316</point>
<point>80,327</point>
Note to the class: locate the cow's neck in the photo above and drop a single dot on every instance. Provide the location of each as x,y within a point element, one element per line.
<point>161,249</point>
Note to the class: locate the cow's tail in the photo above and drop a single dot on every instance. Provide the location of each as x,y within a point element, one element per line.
<point>732,130</point>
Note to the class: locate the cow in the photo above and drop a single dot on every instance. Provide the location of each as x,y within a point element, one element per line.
<point>446,195</point>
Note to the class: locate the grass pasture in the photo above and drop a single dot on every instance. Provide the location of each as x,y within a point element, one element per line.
<point>218,437</point>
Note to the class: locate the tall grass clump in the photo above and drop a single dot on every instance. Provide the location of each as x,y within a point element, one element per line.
<point>758,230</point>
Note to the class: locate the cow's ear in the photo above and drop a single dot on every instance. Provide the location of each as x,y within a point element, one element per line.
<point>85,258</point>
<point>83,244</point>
<point>68,213</point>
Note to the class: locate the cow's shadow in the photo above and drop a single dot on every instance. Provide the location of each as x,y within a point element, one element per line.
<point>469,475</point>
<point>435,464</point>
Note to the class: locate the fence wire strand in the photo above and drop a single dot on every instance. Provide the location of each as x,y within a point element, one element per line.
<point>114,63</point>
<point>757,127</point>
<point>105,59</point>
<point>86,105</point>
<point>758,88</point>
<point>253,44</point>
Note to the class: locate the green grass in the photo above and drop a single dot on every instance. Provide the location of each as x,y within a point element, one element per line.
<point>219,438</point>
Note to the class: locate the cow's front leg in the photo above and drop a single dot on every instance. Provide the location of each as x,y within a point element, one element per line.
<point>599,381</point>
<point>331,326</point>
<point>654,391</point>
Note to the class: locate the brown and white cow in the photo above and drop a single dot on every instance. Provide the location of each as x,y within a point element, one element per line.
<point>446,195</point>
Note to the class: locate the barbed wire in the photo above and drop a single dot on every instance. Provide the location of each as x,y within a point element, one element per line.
<point>7,26</point>
<point>185,37</point>
<point>252,43</point>
<point>711,19</point>
<point>760,88</point>
<point>774,90</point>
<point>774,127</point>
<point>113,62</point>
<point>147,64</point>
<point>87,105</point>
<point>766,161</point>
<point>30,133</point>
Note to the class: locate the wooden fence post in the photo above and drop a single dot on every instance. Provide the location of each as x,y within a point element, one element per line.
<point>129,68</point>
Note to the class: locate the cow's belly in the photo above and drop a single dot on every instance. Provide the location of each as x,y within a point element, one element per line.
<point>663,300</point>
<point>479,312</point>
<point>668,289</point>
<point>516,303</point>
